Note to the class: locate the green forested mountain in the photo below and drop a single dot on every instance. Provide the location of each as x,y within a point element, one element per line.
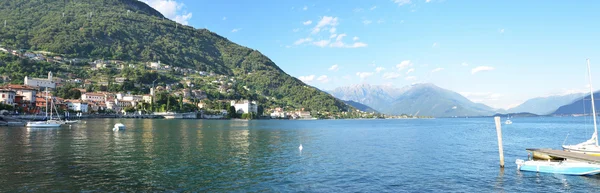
<point>130,30</point>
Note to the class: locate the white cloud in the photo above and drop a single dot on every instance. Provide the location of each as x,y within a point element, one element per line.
<point>391,75</point>
<point>411,78</point>
<point>501,30</point>
<point>403,64</point>
<point>335,67</point>
<point>339,37</point>
<point>464,64</point>
<point>367,22</point>
<point>379,69</point>
<point>355,38</point>
<point>183,19</point>
<point>296,30</point>
<point>373,8</point>
<point>380,21</point>
<point>410,70</point>
<point>437,69</point>
<point>171,9</point>
<point>435,44</point>
<point>481,68</point>
<point>326,21</point>
<point>332,30</point>
<point>321,43</point>
<point>307,79</point>
<point>307,22</point>
<point>427,1</point>
<point>305,8</point>
<point>303,40</point>
<point>332,36</point>
<point>358,10</point>
<point>236,30</point>
<point>224,18</point>
<point>401,2</point>
<point>357,45</point>
<point>364,75</point>
<point>323,79</point>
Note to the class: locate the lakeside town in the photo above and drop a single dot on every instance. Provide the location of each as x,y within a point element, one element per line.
<point>184,99</point>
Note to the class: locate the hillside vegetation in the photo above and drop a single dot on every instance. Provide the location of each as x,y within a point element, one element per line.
<point>131,31</point>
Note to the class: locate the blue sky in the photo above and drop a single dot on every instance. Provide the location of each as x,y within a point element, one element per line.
<point>499,53</point>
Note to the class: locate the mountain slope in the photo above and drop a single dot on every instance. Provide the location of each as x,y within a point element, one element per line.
<point>545,105</point>
<point>581,106</point>
<point>361,107</point>
<point>430,100</point>
<point>132,31</point>
<point>418,99</point>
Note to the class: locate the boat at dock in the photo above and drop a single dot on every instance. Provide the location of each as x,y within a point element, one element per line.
<point>48,123</point>
<point>558,167</point>
<point>591,145</point>
<point>559,162</point>
<point>118,127</point>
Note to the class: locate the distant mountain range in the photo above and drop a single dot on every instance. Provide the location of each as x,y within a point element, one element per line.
<point>581,106</point>
<point>545,105</point>
<point>418,99</point>
<point>361,107</point>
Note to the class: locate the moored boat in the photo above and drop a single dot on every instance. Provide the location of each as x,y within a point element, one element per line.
<point>566,167</point>
<point>118,126</point>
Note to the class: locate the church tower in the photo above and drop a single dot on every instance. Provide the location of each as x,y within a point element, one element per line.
<point>50,76</point>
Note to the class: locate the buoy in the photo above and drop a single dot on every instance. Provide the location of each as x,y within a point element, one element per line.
<point>300,147</point>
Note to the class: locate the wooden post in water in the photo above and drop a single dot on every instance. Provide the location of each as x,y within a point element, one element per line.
<point>499,132</point>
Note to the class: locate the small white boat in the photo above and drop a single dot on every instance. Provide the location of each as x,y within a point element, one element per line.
<point>566,167</point>
<point>43,124</point>
<point>118,126</point>
<point>508,122</point>
<point>71,121</point>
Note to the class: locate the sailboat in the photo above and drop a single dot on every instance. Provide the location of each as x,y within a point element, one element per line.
<point>50,123</point>
<point>591,145</point>
<point>508,121</point>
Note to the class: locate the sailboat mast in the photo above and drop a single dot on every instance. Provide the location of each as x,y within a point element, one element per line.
<point>595,136</point>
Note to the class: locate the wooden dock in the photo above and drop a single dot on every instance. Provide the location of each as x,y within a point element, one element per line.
<point>567,155</point>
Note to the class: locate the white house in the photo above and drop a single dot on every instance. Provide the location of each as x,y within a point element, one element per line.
<point>7,96</point>
<point>93,97</point>
<point>77,105</point>
<point>40,82</point>
<point>245,106</point>
<point>27,92</point>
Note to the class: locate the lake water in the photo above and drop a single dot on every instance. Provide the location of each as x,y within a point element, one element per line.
<point>427,155</point>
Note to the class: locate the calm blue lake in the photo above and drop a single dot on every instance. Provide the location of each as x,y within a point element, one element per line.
<point>426,155</point>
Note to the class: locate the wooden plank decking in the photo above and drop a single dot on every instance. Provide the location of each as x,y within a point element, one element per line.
<point>567,155</point>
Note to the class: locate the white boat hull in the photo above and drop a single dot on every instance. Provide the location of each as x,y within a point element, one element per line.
<point>559,167</point>
<point>43,124</point>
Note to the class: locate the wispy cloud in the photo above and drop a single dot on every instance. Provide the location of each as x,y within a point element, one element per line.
<point>355,38</point>
<point>465,64</point>
<point>305,8</point>
<point>403,64</point>
<point>323,79</point>
<point>303,40</point>
<point>501,30</point>
<point>437,69</point>
<point>236,30</point>
<point>435,45</point>
<point>380,21</point>
<point>307,79</point>
<point>335,67</point>
<point>373,8</point>
<point>364,75</point>
<point>401,2</point>
<point>411,78</point>
<point>357,10</point>
<point>481,69</point>
<point>379,69</point>
<point>296,30</point>
<point>367,22</point>
<point>427,1</point>
<point>307,22</point>
<point>391,75</point>
<point>410,70</point>
<point>326,21</point>
<point>479,97</point>
<point>322,43</point>
<point>224,18</point>
<point>171,9</point>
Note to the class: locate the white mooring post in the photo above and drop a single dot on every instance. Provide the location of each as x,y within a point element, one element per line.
<point>499,132</point>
